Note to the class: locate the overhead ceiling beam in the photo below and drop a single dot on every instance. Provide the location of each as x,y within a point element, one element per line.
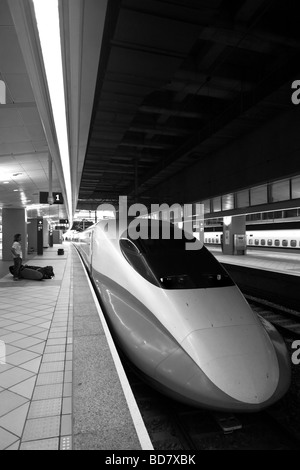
<point>30,104</point>
<point>82,26</point>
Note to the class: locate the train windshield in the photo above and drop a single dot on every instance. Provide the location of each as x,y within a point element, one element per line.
<point>167,264</point>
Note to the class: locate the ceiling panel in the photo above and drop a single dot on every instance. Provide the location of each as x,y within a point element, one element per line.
<point>23,144</point>
<point>10,118</point>
<point>11,58</point>
<point>18,88</point>
<point>177,82</point>
<point>14,134</point>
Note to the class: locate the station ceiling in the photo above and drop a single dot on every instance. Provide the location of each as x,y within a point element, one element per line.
<point>156,89</point>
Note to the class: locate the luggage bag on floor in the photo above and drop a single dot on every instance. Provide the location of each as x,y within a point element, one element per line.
<point>34,272</point>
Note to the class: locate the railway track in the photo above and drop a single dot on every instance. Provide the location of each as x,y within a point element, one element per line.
<point>285,319</point>
<point>174,426</point>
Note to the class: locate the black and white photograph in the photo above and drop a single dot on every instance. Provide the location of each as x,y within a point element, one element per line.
<point>150,228</point>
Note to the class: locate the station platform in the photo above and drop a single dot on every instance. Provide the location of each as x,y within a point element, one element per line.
<point>275,261</point>
<point>62,385</point>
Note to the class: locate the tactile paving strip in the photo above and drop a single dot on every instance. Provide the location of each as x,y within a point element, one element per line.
<point>66,443</point>
<point>45,444</point>
<point>44,408</point>
<point>41,428</point>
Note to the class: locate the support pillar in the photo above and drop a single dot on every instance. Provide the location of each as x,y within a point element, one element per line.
<point>40,236</point>
<point>234,235</point>
<point>32,235</point>
<point>50,236</point>
<point>13,222</point>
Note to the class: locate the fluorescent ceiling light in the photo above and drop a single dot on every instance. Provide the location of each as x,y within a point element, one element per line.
<point>4,177</point>
<point>47,17</point>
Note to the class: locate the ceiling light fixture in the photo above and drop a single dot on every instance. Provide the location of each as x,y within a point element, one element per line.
<point>4,177</point>
<point>47,17</point>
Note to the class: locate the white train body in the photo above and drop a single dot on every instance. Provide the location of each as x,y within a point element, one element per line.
<point>262,238</point>
<point>191,334</point>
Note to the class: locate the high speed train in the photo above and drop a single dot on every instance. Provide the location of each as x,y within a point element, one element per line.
<point>272,239</point>
<point>182,321</point>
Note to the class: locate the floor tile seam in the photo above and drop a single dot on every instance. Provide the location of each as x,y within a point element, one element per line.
<point>60,415</point>
<point>28,325</point>
<point>23,349</point>
<point>21,381</point>
<point>57,437</point>
<point>55,447</point>
<point>23,368</point>
<point>26,336</point>
<point>16,302</point>
<point>17,407</point>
<point>24,440</point>
<point>39,355</point>
<point>29,349</point>
<point>58,303</point>
<point>57,399</point>
<point>48,418</point>
<point>32,400</point>
<point>12,443</point>
<point>7,315</point>
<point>18,394</point>
<point>9,312</point>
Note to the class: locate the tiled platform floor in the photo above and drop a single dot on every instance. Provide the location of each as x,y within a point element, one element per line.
<point>62,385</point>
<point>36,358</point>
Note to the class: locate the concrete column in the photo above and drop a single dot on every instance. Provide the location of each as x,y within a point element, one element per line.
<point>46,234</point>
<point>32,235</point>
<point>13,222</point>
<point>233,226</point>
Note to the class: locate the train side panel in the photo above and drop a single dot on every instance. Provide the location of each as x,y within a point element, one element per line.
<point>268,239</point>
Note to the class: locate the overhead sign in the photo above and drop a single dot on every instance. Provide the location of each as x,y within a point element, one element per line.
<point>57,198</point>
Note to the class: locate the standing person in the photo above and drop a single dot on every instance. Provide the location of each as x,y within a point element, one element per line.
<point>16,250</point>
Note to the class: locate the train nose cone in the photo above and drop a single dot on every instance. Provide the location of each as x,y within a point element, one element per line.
<point>239,360</point>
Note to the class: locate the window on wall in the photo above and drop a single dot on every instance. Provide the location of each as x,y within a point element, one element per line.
<point>296,187</point>
<point>206,206</point>
<point>227,202</point>
<point>280,191</point>
<point>217,204</point>
<point>259,195</point>
<point>242,198</point>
